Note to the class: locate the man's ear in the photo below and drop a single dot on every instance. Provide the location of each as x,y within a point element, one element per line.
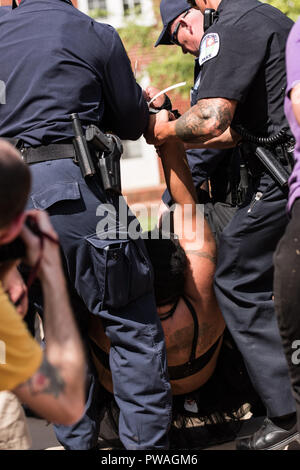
<point>9,233</point>
<point>186,25</point>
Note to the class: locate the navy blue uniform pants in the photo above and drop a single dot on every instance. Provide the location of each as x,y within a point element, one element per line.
<point>244,289</point>
<point>287,298</point>
<point>112,279</point>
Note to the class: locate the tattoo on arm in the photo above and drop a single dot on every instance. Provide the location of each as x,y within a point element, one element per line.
<point>46,380</point>
<point>202,254</point>
<point>209,118</point>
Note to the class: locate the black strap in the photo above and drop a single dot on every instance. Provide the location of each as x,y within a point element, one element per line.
<point>46,153</point>
<point>196,328</point>
<point>175,372</point>
<point>169,313</point>
<point>191,367</point>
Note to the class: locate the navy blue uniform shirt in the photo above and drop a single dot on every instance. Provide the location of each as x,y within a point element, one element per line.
<point>242,56</point>
<point>54,60</point>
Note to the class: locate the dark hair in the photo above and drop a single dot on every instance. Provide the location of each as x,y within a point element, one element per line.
<point>192,3</point>
<point>14,183</point>
<point>169,263</point>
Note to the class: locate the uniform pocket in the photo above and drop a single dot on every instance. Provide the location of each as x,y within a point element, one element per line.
<point>122,268</point>
<point>263,194</point>
<point>255,199</point>
<point>55,193</point>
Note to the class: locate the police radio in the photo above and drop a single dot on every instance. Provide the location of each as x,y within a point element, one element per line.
<point>210,15</point>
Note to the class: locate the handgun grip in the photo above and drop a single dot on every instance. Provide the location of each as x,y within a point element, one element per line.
<point>96,137</point>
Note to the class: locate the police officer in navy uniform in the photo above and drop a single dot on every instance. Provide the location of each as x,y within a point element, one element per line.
<point>219,167</point>
<point>54,60</point>
<point>242,60</point>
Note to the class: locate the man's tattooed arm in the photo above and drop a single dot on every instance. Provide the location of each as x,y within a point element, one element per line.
<point>46,380</point>
<point>50,393</point>
<point>208,119</point>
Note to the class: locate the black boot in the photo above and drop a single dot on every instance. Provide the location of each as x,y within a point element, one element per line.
<point>268,437</point>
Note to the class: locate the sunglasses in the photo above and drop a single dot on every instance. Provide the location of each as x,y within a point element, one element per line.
<point>174,35</point>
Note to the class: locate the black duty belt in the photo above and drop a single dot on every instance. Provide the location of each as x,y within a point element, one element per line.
<point>46,153</point>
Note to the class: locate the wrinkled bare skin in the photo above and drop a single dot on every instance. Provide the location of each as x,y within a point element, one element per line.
<point>209,118</point>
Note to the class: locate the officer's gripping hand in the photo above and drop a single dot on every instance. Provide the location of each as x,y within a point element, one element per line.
<point>150,92</point>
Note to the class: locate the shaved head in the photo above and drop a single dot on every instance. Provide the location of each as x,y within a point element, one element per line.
<point>14,184</point>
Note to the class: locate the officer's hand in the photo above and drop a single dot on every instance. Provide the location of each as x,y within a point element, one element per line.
<point>155,134</point>
<point>150,92</point>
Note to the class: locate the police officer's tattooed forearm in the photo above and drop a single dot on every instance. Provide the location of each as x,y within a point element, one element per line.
<point>208,119</point>
<point>46,380</point>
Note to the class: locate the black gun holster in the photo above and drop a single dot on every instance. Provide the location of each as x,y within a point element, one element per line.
<point>257,159</point>
<point>106,150</point>
<point>98,153</point>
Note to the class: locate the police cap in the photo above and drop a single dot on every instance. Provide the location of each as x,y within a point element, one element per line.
<point>169,10</point>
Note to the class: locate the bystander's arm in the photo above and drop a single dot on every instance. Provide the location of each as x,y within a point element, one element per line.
<point>56,390</point>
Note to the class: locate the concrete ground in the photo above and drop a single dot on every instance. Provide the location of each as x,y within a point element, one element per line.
<point>43,437</point>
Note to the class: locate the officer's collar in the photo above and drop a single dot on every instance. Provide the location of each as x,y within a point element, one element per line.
<point>14,5</point>
<point>222,5</point>
<point>237,5</point>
